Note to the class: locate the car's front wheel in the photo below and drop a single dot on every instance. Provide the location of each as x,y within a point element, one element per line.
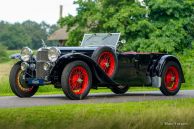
<point>18,84</point>
<point>76,80</point>
<point>171,80</point>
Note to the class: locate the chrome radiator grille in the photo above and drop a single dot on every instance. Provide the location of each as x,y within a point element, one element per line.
<point>42,57</point>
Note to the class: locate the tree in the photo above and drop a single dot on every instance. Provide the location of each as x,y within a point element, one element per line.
<point>14,36</point>
<point>104,16</point>
<point>172,20</point>
<point>36,32</point>
<point>155,26</point>
<point>28,33</point>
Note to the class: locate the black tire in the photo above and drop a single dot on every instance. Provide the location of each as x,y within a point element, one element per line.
<point>171,74</point>
<point>119,89</point>
<point>98,53</point>
<point>18,85</point>
<point>68,81</point>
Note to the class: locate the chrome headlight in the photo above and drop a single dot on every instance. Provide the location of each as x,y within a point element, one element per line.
<point>26,54</point>
<point>46,66</point>
<point>53,54</point>
<point>24,66</point>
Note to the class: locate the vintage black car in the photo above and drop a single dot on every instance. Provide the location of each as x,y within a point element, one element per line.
<point>95,63</point>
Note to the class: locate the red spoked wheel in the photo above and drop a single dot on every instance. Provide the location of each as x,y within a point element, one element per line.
<point>172,78</point>
<point>106,58</point>
<point>106,61</point>
<point>78,80</point>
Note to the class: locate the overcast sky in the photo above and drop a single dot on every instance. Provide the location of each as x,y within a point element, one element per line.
<point>36,10</point>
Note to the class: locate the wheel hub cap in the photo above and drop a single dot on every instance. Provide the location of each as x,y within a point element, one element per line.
<point>79,80</point>
<point>107,65</point>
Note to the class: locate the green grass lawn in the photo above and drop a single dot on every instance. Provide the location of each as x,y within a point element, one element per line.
<point>166,114</point>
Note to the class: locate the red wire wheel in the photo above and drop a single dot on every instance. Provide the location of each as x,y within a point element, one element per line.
<point>78,80</point>
<point>106,58</point>
<point>171,78</point>
<point>106,61</point>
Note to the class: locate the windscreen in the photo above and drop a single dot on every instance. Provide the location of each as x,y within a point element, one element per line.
<point>101,39</point>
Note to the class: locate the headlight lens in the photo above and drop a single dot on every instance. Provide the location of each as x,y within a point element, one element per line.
<point>26,54</point>
<point>53,54</point>
<point>24,66</point>
<point>46,66</point>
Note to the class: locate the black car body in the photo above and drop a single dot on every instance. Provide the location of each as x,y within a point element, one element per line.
<point>96,63</point>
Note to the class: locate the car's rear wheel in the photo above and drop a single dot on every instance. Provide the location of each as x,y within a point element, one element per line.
<point>119,89</point>
<point>18,85</point>
<point>76,80</point>
<point>106,59</point>
<point>171,80</point>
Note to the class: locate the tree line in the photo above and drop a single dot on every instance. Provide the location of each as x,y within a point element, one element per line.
<point>29,33</point>
<point>151,25</point>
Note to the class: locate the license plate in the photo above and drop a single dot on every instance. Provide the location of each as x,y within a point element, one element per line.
<point>36,81</point>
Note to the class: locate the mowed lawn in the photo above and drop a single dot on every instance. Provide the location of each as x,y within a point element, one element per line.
<point>166,114</point>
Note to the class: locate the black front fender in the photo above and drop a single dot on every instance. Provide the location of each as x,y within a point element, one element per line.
<point>163,60</point>
<point>97,73</point>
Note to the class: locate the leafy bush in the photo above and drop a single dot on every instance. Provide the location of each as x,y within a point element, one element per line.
<point>3,54</point>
